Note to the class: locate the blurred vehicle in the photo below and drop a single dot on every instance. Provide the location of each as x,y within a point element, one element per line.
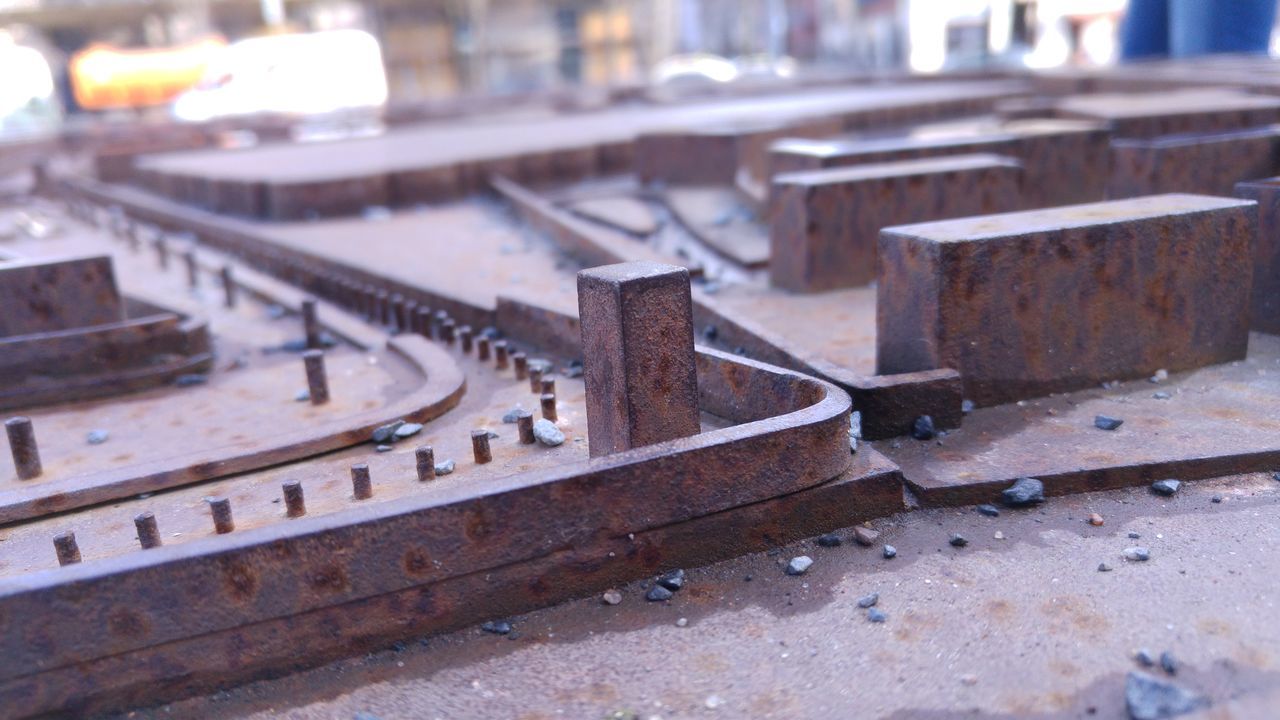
<point>299,74</point>
<point>28,99</point>
<point>104,77</point>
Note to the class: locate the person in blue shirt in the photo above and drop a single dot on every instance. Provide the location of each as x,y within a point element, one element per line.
<point>1187,28</point>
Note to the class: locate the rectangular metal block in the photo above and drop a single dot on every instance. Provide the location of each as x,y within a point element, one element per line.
<point>795,154</point>
<point>689,157</point>
<point>1266,253</point>
<point>637,351</point>
<point>1030,303</point>
<point>1146,115</point>
<point>40,296</point>
<point>1208,163</point>
<point>826,223</point>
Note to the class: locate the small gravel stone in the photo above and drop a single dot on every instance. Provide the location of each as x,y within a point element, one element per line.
<point>890,552</point>
<point>1144,657</point>
<point>547,433</point>
<point>1160,376</point>
<point>876,615</point>
<point>673,580</point>
<point>829,540</point>
<point>1103,567</point>
<point>1162,395</point>
<point>302,396</point>
<point>999,535</point>
<point>97,437</point>
<point>385,432</point>
<point>383,448</point>
<point>865,536</point>
<point>1104,422</point>
<point>1096,520</point>
<point>1151,698</point>
<point>1165,487</point>
<point>406,430</point>
<point>867,601</point>
<point>682,622</point>
<point>1025,491</point>
<point>958,540</point>
<point>513,414</point>
<point>1137,554</point>
<point>446,467</point>
<point>657,593</point>
<point>1215,499</point>
<point>966,406</point>
<point>922,428</point>
<point>1133,535</point>
<point>799,565</point>
<point>189,380</point>
<point>611,597</point>
<point>989,510</point>
<point>497,627</point>
<point>1168,663</point>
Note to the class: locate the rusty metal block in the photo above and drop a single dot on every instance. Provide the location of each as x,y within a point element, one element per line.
<point>1030,303</point>
<point>826,223</point>
<point>637,349</point>
<point>41,296</point>
<point>1146,115</point>
<point>1209,163</point>
<point>1265,305</point>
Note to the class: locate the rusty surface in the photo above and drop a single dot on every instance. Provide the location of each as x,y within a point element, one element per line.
<point>1218,420</point>
<point>638,361</point>
<point>1068,297</point>
<point>1146,115</point>
<point>1210,163</point>
<point>826,223</point>
<point>1265,301</point>
<point>48,295</point>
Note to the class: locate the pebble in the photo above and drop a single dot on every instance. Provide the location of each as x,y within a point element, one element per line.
<point>867,601</point>
<point>999,535</point>
<point>1151,698</point>
<point>799,565</point>
<point>1103,567</point>
<point>513,415</point>
<point>829,540</point>
<point>406,430</point>
<point>446,467</point>
<point>1162,395</point>
<point>1133,535</point>
<point>672,581</point>
<point>922,428</point>
<point>865,536</point>
<point>682,622</point>
<point>383,448</point>
<point>1105,422</point>
<point>547,433</point>
<point>1215,499</point>
<point>1096,520</point>
<point>497,627</point>
<point>966,406</point>
<point>1025,491</point>
<point>876,615</point>
<point>611,597</point>
<point>1144,657</point>
<point>97,437</point>
<point>1160,376</point>
<point>713,702</point>
<point>1137,554</point>
<point>989,510</point>
<point>302,396</point>
<point>189,380</point>
<point>958,540</point>
<point>1165,487</point>
<point>1168,663</point>
<point>385,432</point>
<point>657,593</point>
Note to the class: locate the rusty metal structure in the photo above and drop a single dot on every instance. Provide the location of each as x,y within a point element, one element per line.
<point>409,382</point>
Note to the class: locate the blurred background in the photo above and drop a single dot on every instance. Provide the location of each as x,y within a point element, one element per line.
<point>200,60</point>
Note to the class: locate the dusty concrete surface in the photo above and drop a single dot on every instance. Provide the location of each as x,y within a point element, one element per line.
<point>1019,626</point>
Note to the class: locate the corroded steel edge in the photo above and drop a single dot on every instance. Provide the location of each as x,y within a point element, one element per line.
<point>125,604</point>
<point>442,389</point>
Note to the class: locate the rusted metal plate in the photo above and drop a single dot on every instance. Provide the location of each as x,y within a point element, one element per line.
<point>1146,115</point>
<point>1265,303</point>
<point>721,218</point>
<point>825,223</point>
<point>637,354</point>
<point>48,295</point>
<point>1209,163</point>
<point>1067,297</point>
<point>1215,421</point>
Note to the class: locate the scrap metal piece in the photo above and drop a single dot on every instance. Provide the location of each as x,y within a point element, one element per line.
<point>22,445</point>
<point>638,359</point>
<point>317,382</point>
<point>148,532</point>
